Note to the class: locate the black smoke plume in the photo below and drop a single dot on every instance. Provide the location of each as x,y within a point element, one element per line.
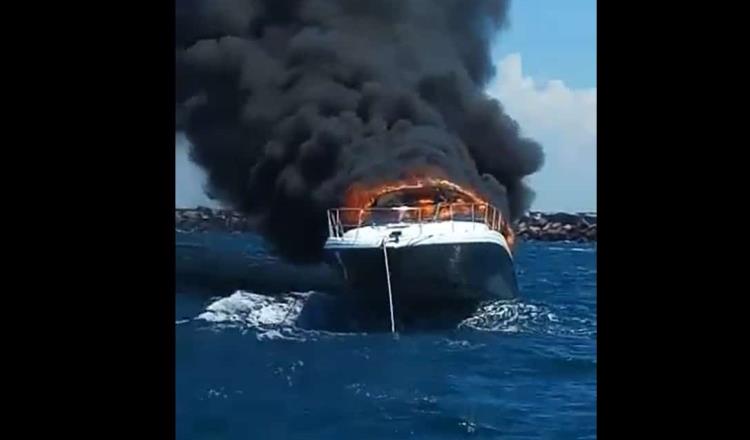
<point>288,102</point>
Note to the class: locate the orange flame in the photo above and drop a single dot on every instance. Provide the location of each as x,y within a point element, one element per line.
<point>360,196</point>
<point>466,202</point>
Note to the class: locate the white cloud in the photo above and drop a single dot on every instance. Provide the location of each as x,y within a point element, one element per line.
<point>563,120</point>
<point>190,179</point>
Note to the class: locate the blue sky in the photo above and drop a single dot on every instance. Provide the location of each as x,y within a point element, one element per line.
<point>557,39</point>
<point>546,80</point>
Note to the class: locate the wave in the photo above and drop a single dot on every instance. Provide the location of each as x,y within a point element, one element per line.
<point>507,317</point>
<point>279,317</point>
<point>272,317</point>
<point>519,317</point>
<point>572,249</point>
<point>289,316</point>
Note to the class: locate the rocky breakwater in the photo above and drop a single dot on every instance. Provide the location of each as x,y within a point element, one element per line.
<point>557,227</point>
<point>206,219</point>
<point>533,226</point>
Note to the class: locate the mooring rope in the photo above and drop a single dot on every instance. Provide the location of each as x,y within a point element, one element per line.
<point>388,279</point>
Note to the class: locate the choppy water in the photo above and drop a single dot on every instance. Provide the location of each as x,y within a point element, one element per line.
<point>247,366</point>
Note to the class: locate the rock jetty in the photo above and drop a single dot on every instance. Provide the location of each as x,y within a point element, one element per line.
<point>558,226</point>
<point>206,219</point>
<point>539,226</point>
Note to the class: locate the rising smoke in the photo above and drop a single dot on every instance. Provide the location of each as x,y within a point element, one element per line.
<point>289,102</point>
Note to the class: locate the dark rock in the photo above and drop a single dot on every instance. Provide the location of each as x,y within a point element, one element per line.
<point>590,219</point>
<point>557,226</point>
<point>562,217</point>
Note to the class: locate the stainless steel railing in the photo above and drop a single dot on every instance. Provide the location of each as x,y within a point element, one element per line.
<point>341,220</point>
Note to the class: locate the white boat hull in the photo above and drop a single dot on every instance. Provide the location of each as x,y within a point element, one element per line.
<point>430,264</point>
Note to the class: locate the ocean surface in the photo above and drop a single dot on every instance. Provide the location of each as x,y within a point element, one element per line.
<point>247,367</point>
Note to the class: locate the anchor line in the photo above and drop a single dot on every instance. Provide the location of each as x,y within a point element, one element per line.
<point>388,279</point>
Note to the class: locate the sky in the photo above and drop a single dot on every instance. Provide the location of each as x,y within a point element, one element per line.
<point>546,81</point>
<point>190,180</point>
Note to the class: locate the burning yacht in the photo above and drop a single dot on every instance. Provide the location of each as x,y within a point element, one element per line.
<point>420,244</point>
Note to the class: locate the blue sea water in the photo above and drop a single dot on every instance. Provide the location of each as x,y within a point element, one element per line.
<point>525,369</point>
